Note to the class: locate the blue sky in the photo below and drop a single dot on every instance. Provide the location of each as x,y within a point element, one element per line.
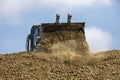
<point>102,19</point>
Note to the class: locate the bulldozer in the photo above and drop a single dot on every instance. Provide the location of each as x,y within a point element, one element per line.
<point>56,36</point>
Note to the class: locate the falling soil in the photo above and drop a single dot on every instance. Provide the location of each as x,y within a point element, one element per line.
<point>65,40</point>
<point>65,65</point>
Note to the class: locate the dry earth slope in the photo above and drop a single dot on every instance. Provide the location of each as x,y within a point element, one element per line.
<point>60,66</point>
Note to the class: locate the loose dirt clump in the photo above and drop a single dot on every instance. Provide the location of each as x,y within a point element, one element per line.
<point>60,66</point>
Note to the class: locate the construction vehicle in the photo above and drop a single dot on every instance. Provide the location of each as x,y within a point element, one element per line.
<point>57,36</point>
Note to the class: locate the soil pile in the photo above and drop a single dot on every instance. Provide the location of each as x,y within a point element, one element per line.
<point>73,40</point>
<point>60,66</point>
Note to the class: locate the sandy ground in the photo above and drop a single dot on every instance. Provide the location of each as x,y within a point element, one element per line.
<point>60,66</point>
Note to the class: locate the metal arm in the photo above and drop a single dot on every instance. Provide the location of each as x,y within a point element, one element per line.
<point>28,39</point>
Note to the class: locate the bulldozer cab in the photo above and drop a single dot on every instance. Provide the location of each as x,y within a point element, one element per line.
<point>33,38</point>
<point>57,36</point>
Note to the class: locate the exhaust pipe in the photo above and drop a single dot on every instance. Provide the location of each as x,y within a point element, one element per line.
<point>57,18</point>
<point>69,18</point>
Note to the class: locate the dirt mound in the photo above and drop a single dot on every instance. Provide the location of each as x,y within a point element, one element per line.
<point>60,66</point>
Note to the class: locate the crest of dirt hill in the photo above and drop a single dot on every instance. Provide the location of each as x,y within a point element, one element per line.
<point>61,65</point>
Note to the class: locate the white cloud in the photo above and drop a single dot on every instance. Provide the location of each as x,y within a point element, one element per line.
<point>10,7</point>
<point>11,10</point>
<point>98,39</point>
<point>15,8</point>
<point>75,3</point>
